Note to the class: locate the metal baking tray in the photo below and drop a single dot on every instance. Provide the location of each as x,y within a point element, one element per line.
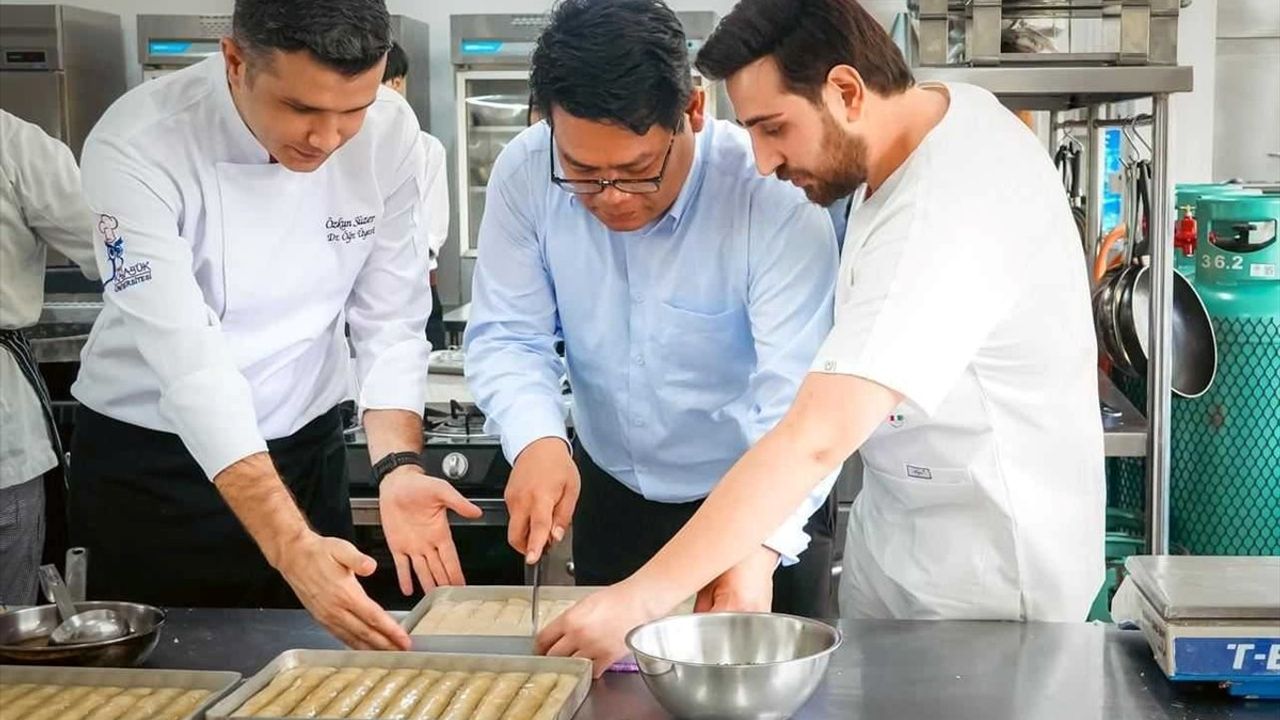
<point>496,644</point>
<point>217,683</point>
<point>415,660</point>
<point>489,644</point>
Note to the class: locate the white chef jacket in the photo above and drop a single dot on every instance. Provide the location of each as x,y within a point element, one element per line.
<point>40,207</point>
<point>962,287</point>
<point>228,278</point>
<point>435,197</point>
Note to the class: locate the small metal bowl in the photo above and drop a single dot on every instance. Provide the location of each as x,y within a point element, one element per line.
<point>24,637</point>
<point>733,666</point>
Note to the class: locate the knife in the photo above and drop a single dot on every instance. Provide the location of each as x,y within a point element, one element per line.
<point>537,585</point>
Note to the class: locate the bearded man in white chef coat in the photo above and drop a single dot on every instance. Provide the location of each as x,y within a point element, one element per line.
<point>961,364</point>
<point>250,207</point>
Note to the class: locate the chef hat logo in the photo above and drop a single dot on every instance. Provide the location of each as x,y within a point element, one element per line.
<point>107,226</point>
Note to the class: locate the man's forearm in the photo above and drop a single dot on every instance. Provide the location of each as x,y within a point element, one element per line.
<point>262,503</point>
<point>392,431</point>
<point>832,416</point>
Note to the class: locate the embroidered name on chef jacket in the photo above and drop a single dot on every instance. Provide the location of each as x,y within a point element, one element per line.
<point>342,229</point>
<point>123,274</point>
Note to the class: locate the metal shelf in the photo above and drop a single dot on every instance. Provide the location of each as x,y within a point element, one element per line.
<point>1062,88</point>
<point>1125,436</point>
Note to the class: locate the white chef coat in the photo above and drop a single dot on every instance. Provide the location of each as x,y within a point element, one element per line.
<point>228,278</point>
<point>435,197</point>
<point>40,207</point>
<point>962,288</point>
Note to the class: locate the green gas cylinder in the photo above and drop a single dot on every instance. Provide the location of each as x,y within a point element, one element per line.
<point>1186,197</point>
<point>1225,450</point>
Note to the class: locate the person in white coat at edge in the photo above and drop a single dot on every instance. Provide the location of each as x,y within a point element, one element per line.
<point>962,363</point>
<point>40,207</point>
<point>247,207</point>
<point>435,193</point>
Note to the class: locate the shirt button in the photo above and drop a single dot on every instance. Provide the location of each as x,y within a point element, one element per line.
<point>640,360</point>
<point>638,422</point>
<point>638,298</point>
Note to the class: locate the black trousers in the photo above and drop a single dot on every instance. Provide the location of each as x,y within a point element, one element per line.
<point>159,533</point>
<point>616,531</point>
<point>435,322</point>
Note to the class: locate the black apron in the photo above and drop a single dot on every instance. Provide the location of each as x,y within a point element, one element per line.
<point>19,347</point>
<point>616,531</point>
<point>159,532</point>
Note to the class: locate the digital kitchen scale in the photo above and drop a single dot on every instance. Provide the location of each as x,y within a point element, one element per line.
<point>1213,619</point>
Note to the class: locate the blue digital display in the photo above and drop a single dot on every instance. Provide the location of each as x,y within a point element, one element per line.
<point>182,48</point>
<point>168,47</point>
<point>481,47</point>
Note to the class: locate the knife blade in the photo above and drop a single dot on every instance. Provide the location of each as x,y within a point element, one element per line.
<point>537,585</point>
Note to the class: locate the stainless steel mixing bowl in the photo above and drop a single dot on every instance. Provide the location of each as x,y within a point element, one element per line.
<point>733,666</point>
<point>24,636</point>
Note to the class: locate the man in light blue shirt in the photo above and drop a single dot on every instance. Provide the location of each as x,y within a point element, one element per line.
<point>690,292</point>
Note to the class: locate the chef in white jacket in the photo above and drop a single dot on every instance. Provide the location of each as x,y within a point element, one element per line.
<point>249,207</point>
<point>961,366</point>
<point>435,191</point>
<point>40,208</point>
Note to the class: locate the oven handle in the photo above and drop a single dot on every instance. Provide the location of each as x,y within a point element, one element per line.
<point>364,513</point>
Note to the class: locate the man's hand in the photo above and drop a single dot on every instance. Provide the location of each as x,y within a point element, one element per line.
<point>596,627</point>
<point>322,572</point>
<point>745,587</point>
<point>415,518</point>
<point>541,495</point>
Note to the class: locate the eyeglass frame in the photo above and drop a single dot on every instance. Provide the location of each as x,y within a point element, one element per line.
<point>620,183</point>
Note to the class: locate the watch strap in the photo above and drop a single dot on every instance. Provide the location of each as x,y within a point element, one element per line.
<point>390,462</point>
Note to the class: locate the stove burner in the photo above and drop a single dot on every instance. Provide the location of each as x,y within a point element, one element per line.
<point>463,423</point>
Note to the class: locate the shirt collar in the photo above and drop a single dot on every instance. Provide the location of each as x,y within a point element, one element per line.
<point>243,139</point>
<point>697,169</point>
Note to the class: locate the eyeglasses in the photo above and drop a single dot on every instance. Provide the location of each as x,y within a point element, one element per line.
<point>636,186</point>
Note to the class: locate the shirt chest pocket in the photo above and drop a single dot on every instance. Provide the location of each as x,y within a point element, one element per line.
<point>706,357</point>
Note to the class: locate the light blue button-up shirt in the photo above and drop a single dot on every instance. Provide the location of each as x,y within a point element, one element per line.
<point>685,341</point>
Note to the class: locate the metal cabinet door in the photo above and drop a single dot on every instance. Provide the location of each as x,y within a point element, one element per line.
<point>39,97</point>
<point>1247,94</point>
<point>1246,134</point>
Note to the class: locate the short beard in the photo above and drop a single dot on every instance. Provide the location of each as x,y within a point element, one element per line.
<point>844,171</point>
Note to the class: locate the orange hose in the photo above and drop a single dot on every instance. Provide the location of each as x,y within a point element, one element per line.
<point>1100,261</point>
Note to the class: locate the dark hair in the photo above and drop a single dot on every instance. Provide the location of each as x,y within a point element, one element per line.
<point>806,38</point>
<point>397,63</point>
<point>616,61</point>
<point>349,36</point>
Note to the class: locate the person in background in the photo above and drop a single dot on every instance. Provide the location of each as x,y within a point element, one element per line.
<point>690,294</point>
<point>962,365</point>
<point>435,192</point>
<point>249,208</point>
<point>41,207</point>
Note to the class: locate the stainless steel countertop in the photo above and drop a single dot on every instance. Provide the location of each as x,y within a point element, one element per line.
<point>885,670</point>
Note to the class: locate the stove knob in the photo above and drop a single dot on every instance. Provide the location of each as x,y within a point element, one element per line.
<point>455,466</point>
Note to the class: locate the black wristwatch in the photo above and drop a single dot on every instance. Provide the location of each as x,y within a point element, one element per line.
<point>383,467</point>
